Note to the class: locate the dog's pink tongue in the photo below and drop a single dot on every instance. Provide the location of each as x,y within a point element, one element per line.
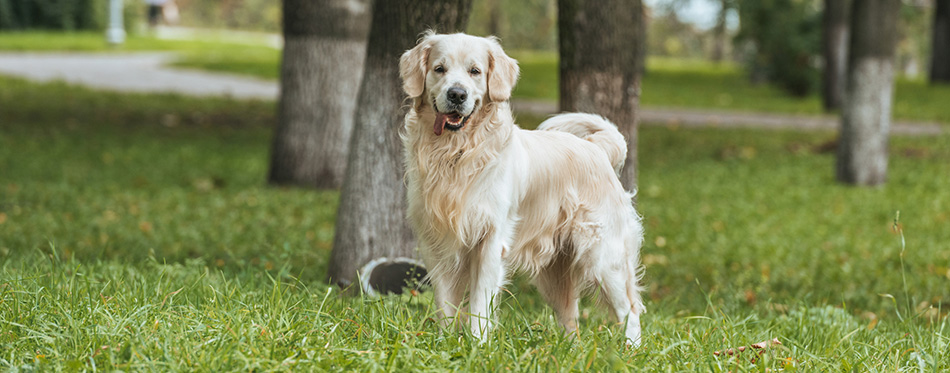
<point>440,120</point>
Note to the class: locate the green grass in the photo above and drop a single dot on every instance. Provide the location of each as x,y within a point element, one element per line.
<point>136,232</point>
<point>260,62</point>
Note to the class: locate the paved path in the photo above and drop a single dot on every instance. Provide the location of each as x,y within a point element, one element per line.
<point>139,72</point>
<point>148,72</point>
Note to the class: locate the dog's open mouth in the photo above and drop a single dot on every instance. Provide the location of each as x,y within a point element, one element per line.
<point>451,121</point>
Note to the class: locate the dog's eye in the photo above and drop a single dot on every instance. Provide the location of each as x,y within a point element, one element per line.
<point>439,69</point>
<point>474,71</point>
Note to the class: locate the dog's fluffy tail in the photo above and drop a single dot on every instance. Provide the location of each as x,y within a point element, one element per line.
<point>593,128</point>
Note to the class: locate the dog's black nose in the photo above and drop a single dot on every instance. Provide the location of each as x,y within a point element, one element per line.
<point>456,95</point>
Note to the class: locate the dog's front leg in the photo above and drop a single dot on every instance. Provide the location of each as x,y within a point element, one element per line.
<point>488,275</point>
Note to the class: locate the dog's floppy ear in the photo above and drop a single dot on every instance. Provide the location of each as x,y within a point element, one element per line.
<point>413,65</point>
<point>502,72</point>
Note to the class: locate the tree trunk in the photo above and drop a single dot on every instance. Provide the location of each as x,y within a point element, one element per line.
<point>317,92</point>
<point>866,115</point>
<point>834,49</point>
<point>494,17</point>
<point>940,55</point>
<point>719,32</point>
<point>371,221</point>
<point>600,65</point>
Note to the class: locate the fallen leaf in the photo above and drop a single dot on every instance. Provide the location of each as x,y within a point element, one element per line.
<point>758,346</point>
<point>750,296</point>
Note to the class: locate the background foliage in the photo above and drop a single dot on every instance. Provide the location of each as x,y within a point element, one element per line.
<point>66,15</point>
<point>781,39</point>
<point>256,15</point>
<point>53,14</point>
<point>528,24</point>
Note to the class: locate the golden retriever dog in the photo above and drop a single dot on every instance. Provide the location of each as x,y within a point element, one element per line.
<point>487,197</point>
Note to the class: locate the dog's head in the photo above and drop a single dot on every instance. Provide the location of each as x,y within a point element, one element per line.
<point>457,75</point>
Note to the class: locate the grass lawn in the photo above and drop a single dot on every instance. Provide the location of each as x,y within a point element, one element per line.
<point>667,83</point>
<point>136,232</point>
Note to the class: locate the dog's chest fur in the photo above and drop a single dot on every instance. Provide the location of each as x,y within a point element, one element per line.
<point>451,177</point>
<point>452,192</point>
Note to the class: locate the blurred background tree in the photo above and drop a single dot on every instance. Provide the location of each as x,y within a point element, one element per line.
<point>720,31</point>
<point>940,56</point>
<point>914,31</point>
<point>781,40</point>
<point>834,49</point>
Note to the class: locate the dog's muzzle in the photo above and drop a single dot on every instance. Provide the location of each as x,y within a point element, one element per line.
<point>451,121</point>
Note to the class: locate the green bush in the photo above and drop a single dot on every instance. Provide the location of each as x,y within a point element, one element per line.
<point>67,15</point>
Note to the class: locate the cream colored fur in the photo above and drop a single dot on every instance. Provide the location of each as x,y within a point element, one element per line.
<point>491,197</point>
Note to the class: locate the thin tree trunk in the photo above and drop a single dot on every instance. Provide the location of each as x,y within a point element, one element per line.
<point>371,221</point>
<point>866,119</point>
<point>494,17</point>
<point>600,65</point>
<point>834,44</point>
<point>940,55</point>
<point>318,92</point>
<point>719,32</point>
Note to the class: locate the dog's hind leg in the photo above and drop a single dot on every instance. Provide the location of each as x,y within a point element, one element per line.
<point>614,283</point>
<point>558,286</point>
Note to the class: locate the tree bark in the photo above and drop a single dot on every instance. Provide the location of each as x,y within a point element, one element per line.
<point>940,56</point>
<point>371,220</point>
<point>318,92</point>
<point>866,115</point>
<point>600,44</point>
<point>834,49</point>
